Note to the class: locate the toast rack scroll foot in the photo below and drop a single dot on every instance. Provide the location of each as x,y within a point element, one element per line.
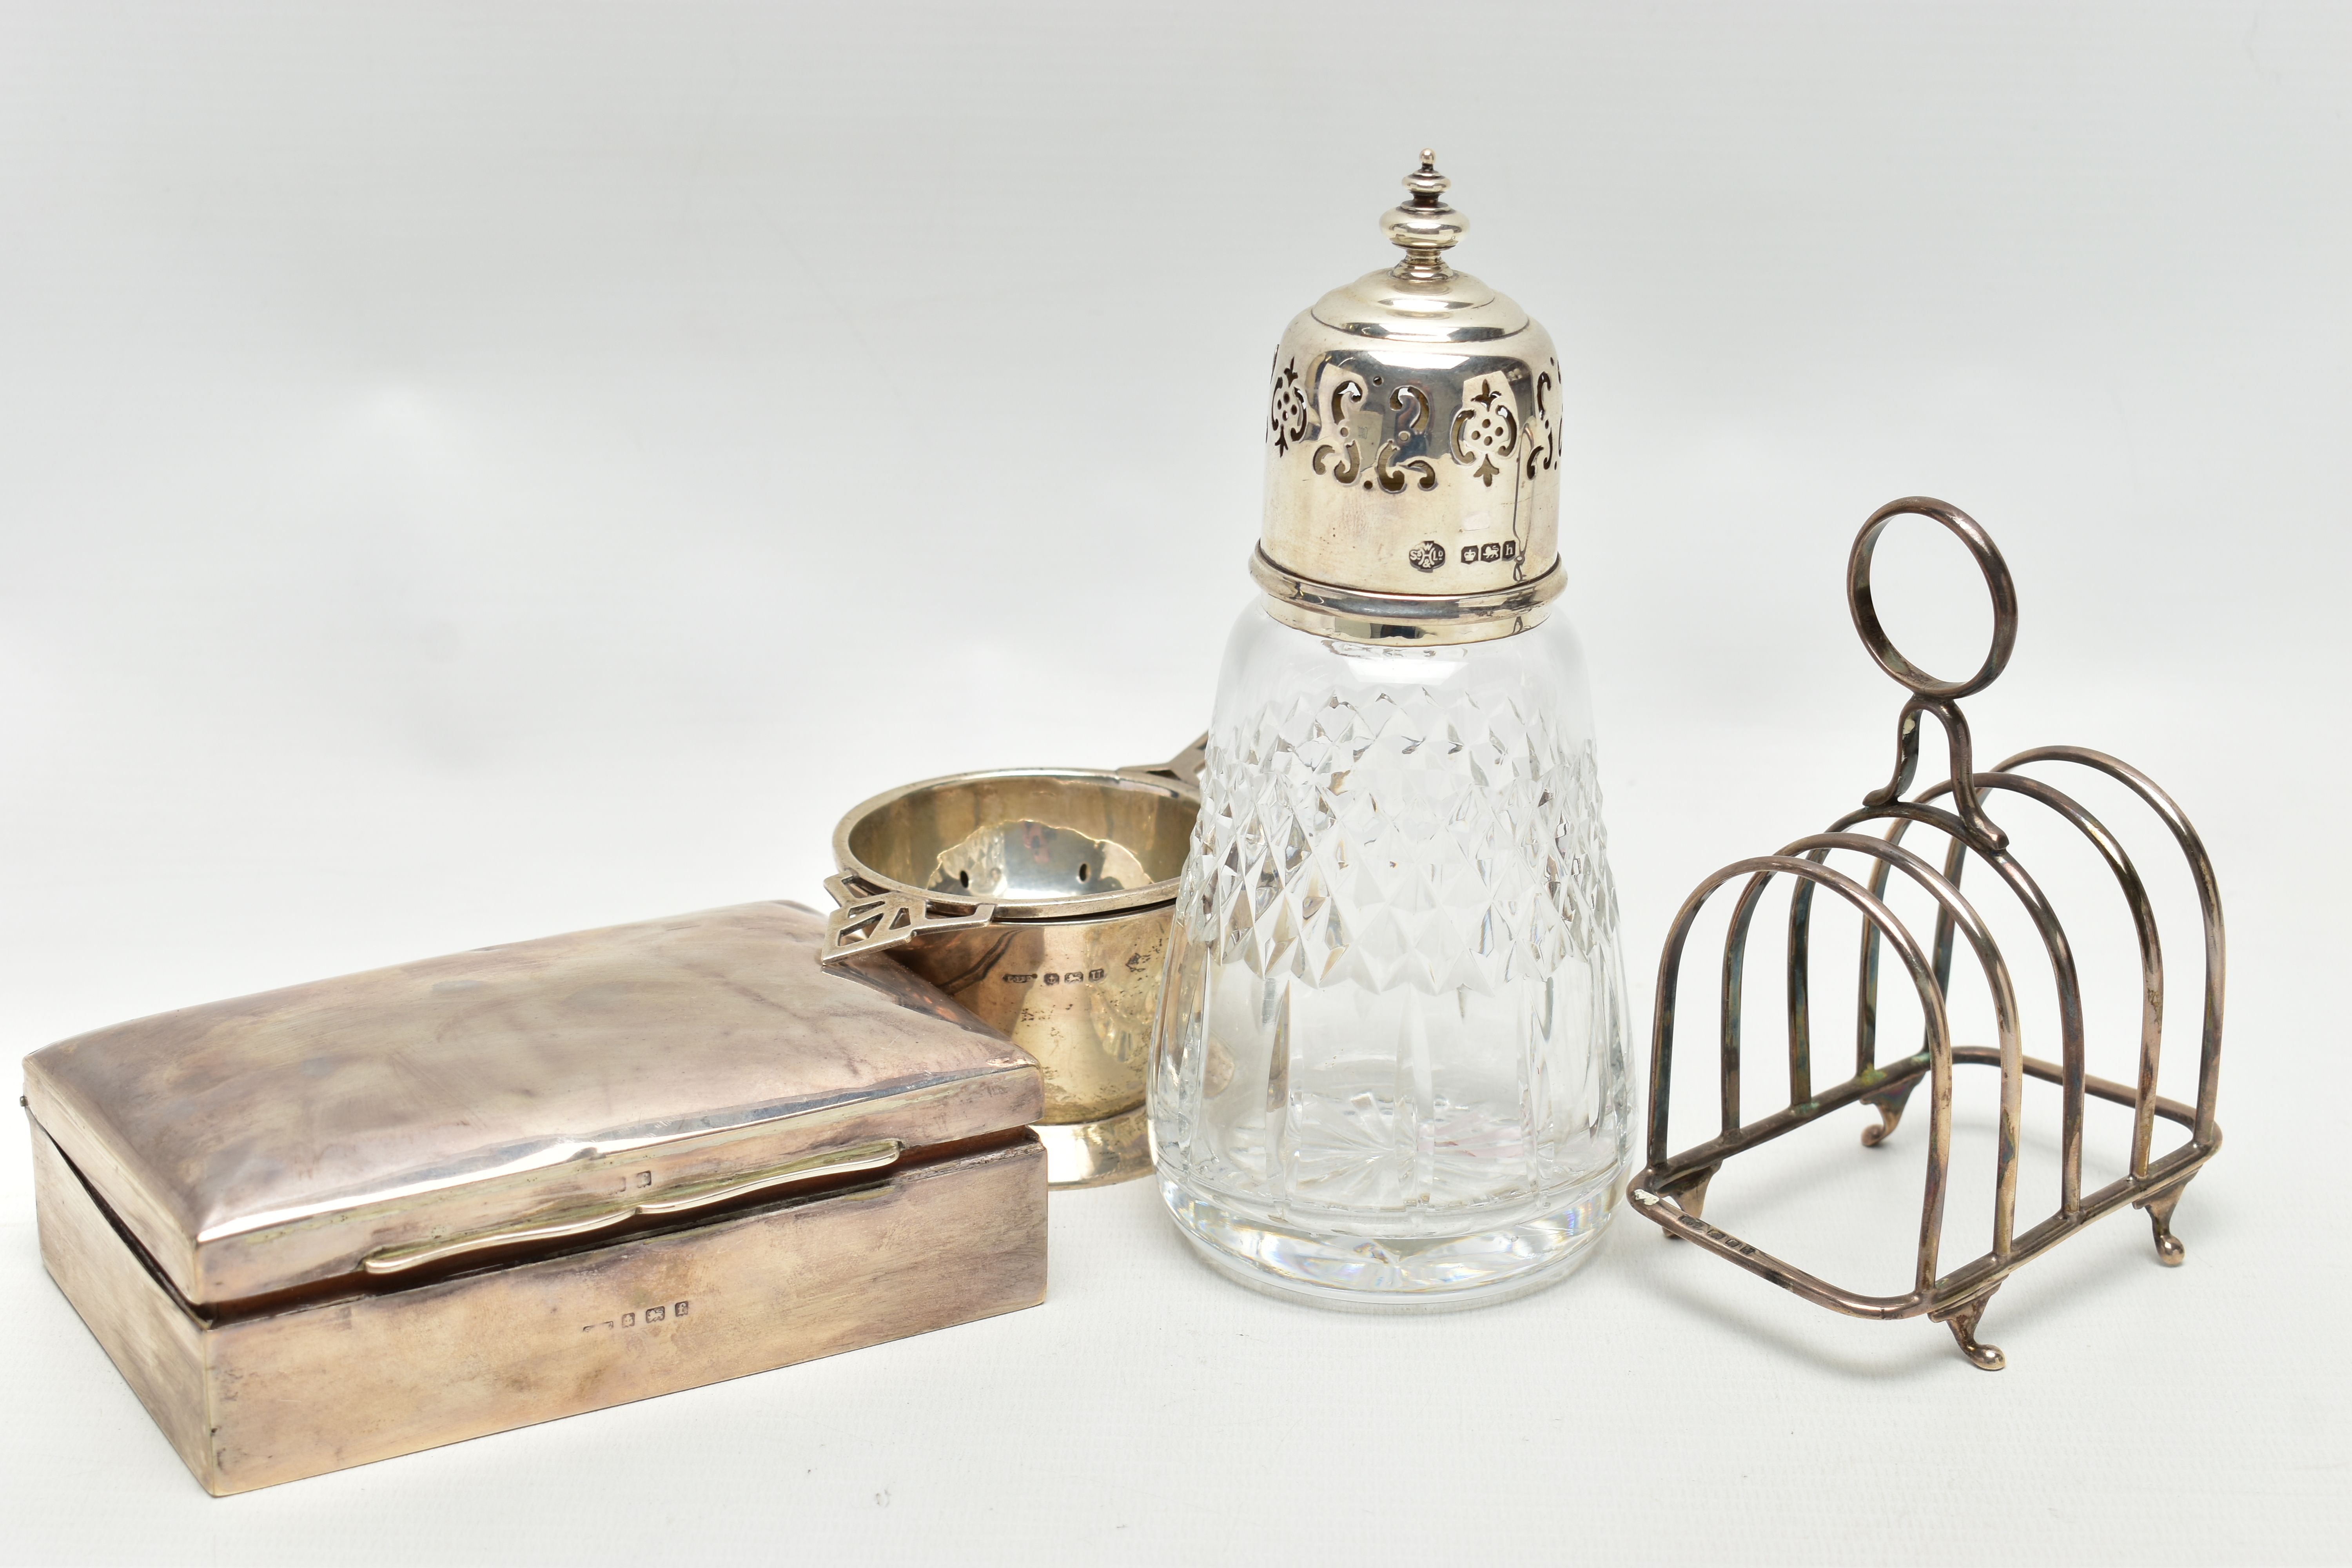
<point>2169,1250</point>
<point>1889,1106</point>
<point>1963,1321</point>
<point>1689,1194</point>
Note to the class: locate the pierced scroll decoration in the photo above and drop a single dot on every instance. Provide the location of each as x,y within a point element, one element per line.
<point>1485,427</point>
<point>872,919</point>
<point>1286,417</point>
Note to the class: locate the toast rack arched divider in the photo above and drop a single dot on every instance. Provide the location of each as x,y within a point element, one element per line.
<point>1672,1190</point>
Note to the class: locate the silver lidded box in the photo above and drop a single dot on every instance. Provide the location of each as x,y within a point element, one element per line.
<point>360,1217</point>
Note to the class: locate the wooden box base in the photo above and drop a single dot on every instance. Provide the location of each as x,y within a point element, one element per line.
<point>279,1392</point>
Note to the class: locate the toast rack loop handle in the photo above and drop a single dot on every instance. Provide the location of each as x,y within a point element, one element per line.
<point>871,919</point>
<point>1996,579</point>
<point>1929,694</point>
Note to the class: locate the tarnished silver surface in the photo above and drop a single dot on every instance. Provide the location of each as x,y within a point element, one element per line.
<point>1413,436</point>
<point>1040,900</point>
<point>1102,1152</point>
<point>1353,617</point>
<point>374,1369</point>
<point>277,1141</point>
<point>1672,1190</point>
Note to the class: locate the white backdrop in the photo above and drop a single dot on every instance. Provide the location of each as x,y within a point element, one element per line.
<point>472,471</point>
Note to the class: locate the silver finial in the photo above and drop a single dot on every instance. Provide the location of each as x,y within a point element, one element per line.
<point>1425,226</point>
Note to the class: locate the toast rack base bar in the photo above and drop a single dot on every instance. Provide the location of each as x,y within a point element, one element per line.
<point>2158,1192</point>
<point>1671,1191</point>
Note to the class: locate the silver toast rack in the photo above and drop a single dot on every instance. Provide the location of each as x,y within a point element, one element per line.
<point>1673,1186</point>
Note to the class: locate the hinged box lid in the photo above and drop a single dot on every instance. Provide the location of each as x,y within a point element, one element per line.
<point>389,1121</point>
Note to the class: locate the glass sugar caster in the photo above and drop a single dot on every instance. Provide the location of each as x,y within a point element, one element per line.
<point>1389,1062</point>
